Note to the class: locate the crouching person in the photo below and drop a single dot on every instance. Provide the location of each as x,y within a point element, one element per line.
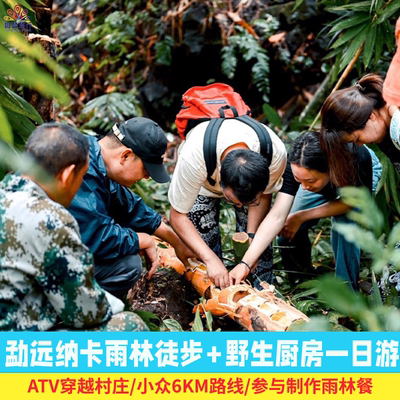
<point>115,223</point>
<point>46,272</point>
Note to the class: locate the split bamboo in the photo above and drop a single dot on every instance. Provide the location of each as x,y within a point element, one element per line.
<point>255,310</point>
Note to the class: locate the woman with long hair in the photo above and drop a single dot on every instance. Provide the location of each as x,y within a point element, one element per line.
<point>358,114</point>
<point>307,178</point>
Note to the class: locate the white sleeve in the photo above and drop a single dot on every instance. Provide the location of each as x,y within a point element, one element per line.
<point>277,167</point>
<point>187,180</point>
<point>395,129</point>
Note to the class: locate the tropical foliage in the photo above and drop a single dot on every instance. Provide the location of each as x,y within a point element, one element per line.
<point>19,68</point>
<point>135,57</point>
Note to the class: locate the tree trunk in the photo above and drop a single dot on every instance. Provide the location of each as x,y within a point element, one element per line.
<point>43,16</point>
<point>43,105</point>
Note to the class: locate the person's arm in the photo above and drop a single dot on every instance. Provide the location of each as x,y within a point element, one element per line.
<point>329,209</point>
<point>269,228</point>
<point>165,233</point>
<point>67,278</point>
<point>189,176</point>
<point>106,238</point>
<point>188,233</point>
<point>130,211</point>
<point>257,213</point>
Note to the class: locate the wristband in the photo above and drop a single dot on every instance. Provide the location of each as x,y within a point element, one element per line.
<point>251,235</point>
<point>245,263</point>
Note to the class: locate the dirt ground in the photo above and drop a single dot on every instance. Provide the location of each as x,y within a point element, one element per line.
<point>168,295</point>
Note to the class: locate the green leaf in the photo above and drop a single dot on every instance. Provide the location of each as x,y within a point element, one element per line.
<point>388,11</point>
<point>272,116</point>
<point>146,315</point>
<point>392,319</point>
<point>307,306</point>
<point>376,299</point>
<point>260,71</point>
<point>306,293</point>
<point>229,61</point>
<point>21,125</point>
<point>361,6</point>
<point>335,70</point>
<point>13,3</point>
<point>338,295</point>
<point>350,22</point>
<point>197,324</point>
<point>307,284</point>
<point>394,237</point>
<point>209,320</point>
<point>16,103</point>
<point>3,11</point>
<point>388,35</point>
<point>350,34</point>
<point>35,51</point>
<point>392,186</point>
<point>375,5</point>
<point>385,168</point>
<point>316,324</point>
<point>333,53</point>
<point>172,325</point>
<point>366,212</point>
<point>20,161</point>
<point>358,66</point>
<point>366,240</point>
<point>5,131</point>
<point>369,46</point>
<point>298,4</point>
<point>352,49</point>
<point>379,43</point>
<point>28,73</point>
<point>163,51</point>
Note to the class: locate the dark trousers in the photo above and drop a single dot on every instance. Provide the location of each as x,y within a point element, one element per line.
<point>205,217</point>
<point>296,254</point>
<point>119,275</point>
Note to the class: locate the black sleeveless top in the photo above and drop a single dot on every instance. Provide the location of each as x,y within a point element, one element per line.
<point>363,165</point>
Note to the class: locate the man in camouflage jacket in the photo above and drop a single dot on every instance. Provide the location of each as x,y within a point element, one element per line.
<point>46,272</point>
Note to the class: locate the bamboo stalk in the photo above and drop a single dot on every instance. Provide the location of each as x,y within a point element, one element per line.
<point>253,309</point>
<point>241,243</point>
<point>340,81</point>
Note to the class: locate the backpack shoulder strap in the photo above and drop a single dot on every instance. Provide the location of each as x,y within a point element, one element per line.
<point>263,136</point>
<point>210,147</point>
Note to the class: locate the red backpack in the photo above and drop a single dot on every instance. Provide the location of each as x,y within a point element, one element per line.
<point>215,103</point>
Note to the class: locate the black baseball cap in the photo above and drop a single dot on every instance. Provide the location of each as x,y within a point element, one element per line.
<point>148,142</point>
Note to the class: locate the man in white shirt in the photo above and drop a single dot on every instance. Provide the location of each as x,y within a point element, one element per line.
<point>242,177</point>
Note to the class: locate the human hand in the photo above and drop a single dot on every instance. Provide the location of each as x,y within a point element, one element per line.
<point>238,274</point>
<point>149,251</point>
<point>151,256</point>
<point>292,225</point>
<point>184,253</point>
<point>218,273</point>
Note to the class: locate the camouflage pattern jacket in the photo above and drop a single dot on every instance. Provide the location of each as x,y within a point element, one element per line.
<point>46,273</point>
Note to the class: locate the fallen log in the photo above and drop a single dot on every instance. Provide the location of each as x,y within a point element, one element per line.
<point>255,310</point>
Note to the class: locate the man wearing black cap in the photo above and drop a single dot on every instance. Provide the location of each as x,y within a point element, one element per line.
<point>115,223</point>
